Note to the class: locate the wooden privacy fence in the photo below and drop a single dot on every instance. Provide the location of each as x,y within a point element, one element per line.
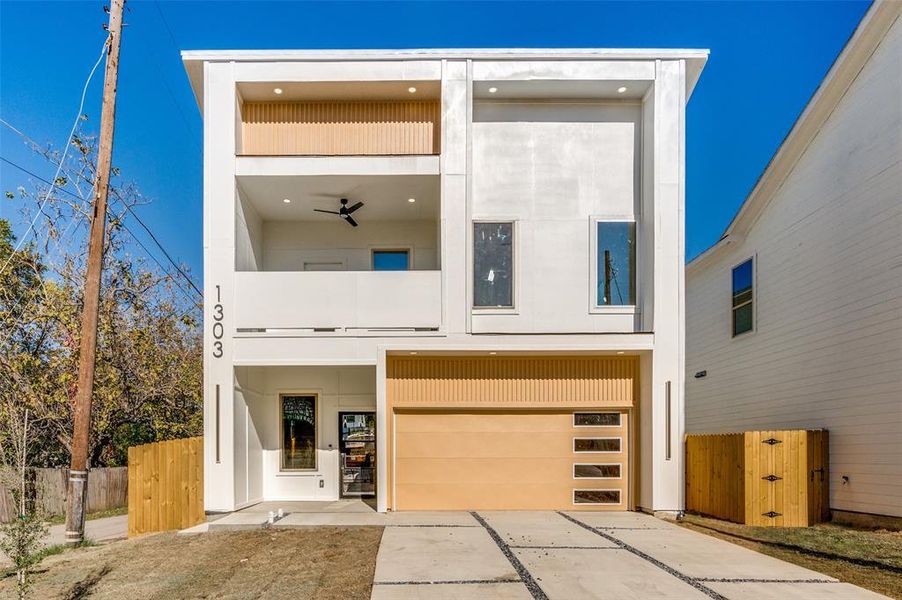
<point>107,489</point>
<point>165,486</point>
<point>764,478</point>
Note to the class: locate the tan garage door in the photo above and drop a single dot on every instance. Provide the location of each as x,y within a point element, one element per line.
<point>511,460</point>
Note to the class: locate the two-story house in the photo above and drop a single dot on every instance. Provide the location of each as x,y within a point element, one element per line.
<point>449,278</point>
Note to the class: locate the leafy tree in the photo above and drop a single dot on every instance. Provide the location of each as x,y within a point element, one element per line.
<point>149,361</point>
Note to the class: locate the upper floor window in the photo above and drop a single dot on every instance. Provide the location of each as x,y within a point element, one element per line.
<point>391,260</point>
<point>743,292</point>
<point>493,265</point>
<point>615,263</point>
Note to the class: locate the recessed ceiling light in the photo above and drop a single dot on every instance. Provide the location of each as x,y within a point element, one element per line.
<point>413,352</point>
<point>286,200</point>
<point>493,353</point>
<point>621,352</point>
<point>621,89</point>
<point>492,90</point>
<point>412,90</point>
<point>411,200</point>
<point>277,90</point>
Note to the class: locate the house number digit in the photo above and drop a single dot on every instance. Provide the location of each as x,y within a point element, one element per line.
<point>218,328</point>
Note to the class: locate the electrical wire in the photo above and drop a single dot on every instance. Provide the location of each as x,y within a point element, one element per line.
<point>62,161</point>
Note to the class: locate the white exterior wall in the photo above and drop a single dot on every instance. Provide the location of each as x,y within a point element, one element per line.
<point>827,347</point>
<point>551,167</point>
<point>287,245</point>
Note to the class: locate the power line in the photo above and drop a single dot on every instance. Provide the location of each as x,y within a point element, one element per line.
<point>124,226</point>
<point>115,193</point>
<point>59,168</point>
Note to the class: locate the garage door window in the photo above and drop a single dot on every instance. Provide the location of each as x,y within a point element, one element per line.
<point>298,433</point>
<point>596,419</point>
<point>596,496</point>
<point>596,444</point>
<point>596,471</point>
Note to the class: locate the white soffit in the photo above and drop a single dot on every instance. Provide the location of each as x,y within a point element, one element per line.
<point>311,91</point>
<point>385,198</point>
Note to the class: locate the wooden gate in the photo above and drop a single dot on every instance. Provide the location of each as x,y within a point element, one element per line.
<point>165,486</point>
<point>764,478</point>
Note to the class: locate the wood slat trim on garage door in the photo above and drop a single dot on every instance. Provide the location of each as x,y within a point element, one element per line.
<point>511,382</point>
<point>559,382</point>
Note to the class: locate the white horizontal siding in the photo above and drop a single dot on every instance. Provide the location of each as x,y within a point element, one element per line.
<point>827,349</point>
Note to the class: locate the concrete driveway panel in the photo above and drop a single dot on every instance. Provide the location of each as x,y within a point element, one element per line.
<point>793,591</point>
<point>520,529</point>
<point>610,573</point>
<point>702,556</point>
<point>480,591</point>
<point>440,554</point>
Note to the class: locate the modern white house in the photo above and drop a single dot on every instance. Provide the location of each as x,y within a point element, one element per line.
<point>794,318</point>
<point>450,279</point>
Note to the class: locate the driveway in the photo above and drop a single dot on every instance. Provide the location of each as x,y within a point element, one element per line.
<point>538,555</point>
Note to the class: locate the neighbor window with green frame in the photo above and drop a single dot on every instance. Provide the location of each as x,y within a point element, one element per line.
<point>743,297</point>
<point>615,274</point>
<point>298,432</point>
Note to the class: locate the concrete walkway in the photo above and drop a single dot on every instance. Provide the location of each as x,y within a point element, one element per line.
<point>98,530</point>
<point>523,555</point>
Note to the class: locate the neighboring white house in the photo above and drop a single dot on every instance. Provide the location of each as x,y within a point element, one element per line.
<point>499,324</point>
<point>794,318</point>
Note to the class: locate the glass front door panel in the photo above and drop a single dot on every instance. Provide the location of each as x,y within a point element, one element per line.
<point>357,444</point>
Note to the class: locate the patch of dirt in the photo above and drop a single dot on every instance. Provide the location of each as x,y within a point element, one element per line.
<point>866,558</point>
<point>325,563</point>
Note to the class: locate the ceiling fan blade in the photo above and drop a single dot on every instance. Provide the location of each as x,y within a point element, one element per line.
<point>350,220</point>
<point>331,212</point>
<point>355,207</point>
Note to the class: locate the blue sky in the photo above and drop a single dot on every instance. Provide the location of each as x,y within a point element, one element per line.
<point>767,58</point>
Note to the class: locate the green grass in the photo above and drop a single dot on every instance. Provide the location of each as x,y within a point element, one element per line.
<point>102,514</point>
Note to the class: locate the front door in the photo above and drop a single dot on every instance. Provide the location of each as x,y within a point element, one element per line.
<point>357,445</point>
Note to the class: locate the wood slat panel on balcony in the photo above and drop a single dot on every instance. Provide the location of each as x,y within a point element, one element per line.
<point>340,128</point>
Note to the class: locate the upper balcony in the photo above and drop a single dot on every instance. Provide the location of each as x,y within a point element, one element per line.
<point>342,254</point>
<point>384,118</point>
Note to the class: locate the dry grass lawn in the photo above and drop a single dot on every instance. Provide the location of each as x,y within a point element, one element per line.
<point>323,563</point>
<point>866,558</point>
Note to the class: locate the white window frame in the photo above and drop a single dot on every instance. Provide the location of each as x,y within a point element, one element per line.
<point>754,300</point>
<point>515,268</point>
<point>594,307</point>
<point>599,464</point>
<point>595,412</point>
<point>598,437</point>
<point>619,496</point>
<point>316,432</point>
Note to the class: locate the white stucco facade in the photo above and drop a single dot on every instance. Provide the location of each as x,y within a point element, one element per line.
<point>562,150</point>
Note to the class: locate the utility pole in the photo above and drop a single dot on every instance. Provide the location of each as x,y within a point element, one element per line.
<point>81,431</point>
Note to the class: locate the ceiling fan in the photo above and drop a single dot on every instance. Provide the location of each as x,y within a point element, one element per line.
<point>344,212</point>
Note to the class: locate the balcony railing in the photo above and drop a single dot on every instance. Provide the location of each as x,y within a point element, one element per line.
<point>338,300</point>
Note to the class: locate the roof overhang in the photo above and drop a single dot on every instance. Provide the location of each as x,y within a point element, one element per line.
<point>194,59</point>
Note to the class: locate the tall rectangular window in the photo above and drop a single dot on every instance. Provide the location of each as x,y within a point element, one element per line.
<point>615,275</point>
<point>493,264</point>
<point>743,292</point>
<point>391,260</point>
<point>298,415</point>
